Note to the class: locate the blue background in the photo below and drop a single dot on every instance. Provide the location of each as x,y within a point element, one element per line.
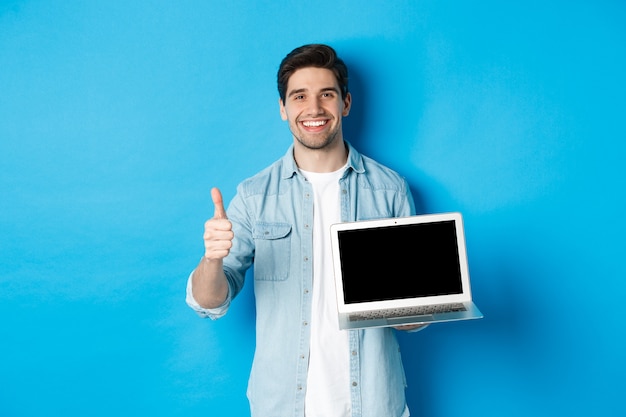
<point>116,118</point>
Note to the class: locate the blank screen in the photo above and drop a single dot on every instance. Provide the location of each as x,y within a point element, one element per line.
<point>404,261</point>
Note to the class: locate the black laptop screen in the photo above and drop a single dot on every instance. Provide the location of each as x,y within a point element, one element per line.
<point>399,262</point>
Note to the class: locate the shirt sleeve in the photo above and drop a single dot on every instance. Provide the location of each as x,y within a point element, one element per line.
<point>212,313</point>
<point>409,206</point>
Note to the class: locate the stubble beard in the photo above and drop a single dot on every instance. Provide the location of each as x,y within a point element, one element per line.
<point>312,141</point>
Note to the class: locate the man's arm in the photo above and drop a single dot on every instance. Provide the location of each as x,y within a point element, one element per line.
<point>209,284</point>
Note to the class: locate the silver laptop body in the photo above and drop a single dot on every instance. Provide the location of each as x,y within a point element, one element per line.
<point>399,271</point>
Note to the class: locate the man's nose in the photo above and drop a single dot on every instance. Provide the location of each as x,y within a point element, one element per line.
<point>315,106</point>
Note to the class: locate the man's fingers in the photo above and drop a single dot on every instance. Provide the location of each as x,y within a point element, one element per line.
<point>216,195</point>
<point>218,237</point>
<point>218,234</point>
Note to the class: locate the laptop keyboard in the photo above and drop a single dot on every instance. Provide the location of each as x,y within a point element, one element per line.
<point>407,311</point>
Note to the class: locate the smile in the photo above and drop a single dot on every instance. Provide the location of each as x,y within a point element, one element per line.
<point>314,123</point>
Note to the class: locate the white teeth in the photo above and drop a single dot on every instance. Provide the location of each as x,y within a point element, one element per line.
<point>315,123</point>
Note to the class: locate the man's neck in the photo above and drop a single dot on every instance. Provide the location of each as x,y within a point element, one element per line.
<point>328,159</point>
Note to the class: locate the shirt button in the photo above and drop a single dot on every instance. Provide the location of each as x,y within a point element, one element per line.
<point>354,384</point>
<point>354,353</point>
<point>344,191</point>
<point>304,323</point>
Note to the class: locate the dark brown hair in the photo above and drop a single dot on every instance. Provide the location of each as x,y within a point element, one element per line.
<point>313,55</point>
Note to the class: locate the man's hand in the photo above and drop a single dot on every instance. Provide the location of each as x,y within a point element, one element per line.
<point>409,327</point>
<point>218,231</point>
<point>209,285</point>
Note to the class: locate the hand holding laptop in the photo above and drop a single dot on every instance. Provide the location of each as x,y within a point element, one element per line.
<point>410,327</point>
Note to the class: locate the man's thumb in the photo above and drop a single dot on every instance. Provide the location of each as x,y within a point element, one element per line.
<point>216,196</point>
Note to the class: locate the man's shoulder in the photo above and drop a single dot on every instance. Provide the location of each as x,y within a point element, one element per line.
<point>375,170</point>
<point>259,181</point>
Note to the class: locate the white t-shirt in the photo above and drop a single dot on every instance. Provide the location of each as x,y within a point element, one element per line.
<point>328,384</point>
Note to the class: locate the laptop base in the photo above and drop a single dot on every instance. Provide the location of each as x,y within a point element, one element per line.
<point>471,312</point>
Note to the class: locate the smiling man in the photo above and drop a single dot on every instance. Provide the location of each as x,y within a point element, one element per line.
<point>278,222</point>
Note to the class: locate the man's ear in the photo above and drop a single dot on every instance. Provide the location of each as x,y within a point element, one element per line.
<point>283,112</point>
<point>347,102</point>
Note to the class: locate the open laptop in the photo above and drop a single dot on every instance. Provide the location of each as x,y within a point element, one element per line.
<point>398,271</point>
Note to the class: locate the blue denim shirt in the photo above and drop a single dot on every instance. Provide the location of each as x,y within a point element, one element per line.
<point>272,217</point>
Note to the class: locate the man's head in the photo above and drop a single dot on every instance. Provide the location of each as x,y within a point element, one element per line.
<point>314,55</point>
<point>314,97</point>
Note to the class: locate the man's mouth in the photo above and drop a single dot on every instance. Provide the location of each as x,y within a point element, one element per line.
<point>314,123</point>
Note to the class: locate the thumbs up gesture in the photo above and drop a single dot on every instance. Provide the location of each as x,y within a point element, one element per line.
<point>218,231</point>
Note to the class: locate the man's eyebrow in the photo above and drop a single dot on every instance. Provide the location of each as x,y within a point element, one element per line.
<point>304,90</point>
<point>298,91</point>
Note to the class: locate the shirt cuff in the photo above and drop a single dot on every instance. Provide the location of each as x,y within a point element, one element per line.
<point>212,313</point>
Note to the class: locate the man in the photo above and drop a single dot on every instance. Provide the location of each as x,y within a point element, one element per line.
<point>279,221</point>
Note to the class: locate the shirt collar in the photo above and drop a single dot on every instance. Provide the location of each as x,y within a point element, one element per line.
<point>355,162</point>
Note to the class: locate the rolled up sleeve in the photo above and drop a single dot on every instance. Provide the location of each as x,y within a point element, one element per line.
<point>212,313</point>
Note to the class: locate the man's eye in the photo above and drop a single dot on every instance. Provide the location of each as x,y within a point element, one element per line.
<point>300,97</point>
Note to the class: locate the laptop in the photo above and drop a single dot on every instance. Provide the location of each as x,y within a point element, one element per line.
<point>400,271</point>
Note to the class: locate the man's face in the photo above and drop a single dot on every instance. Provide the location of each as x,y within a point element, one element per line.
<point>314,107</point>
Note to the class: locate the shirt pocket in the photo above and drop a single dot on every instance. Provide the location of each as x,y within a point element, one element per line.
<point>272,251</point>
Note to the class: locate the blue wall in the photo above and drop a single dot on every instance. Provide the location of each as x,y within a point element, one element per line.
<point>117,117</point>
